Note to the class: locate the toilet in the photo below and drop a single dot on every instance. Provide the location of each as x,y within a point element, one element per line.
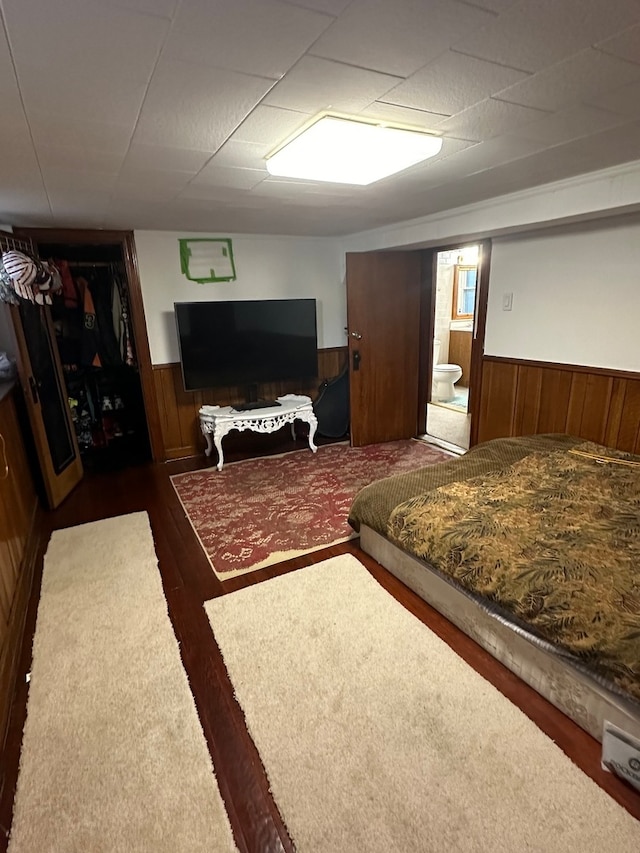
<point>445,377</point>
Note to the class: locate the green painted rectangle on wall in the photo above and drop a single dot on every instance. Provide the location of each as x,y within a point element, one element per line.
<point>205,259</point>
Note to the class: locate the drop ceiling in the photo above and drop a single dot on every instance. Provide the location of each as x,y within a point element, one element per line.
<point>158,114</point>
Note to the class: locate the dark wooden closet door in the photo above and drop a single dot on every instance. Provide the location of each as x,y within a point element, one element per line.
<point>45,396</point>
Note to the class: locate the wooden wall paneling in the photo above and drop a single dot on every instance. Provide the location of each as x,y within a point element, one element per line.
<point>596,408</point>
<point>18,543</point>
<point>527,404</point>
<point>597,404</point>
<point>460,353</point>
<point>186,410</point>
<point>178,409</point>
<point>168,406</point>
<point>577,396</point>
<point>628,435</point>
<point>614,415</point>
<point>497,402</point>
<point>555,388</point>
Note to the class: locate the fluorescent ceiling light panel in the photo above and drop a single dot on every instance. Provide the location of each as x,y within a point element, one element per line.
<point>349,151</point>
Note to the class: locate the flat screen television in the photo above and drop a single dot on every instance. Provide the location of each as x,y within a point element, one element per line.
<point>243,343</point>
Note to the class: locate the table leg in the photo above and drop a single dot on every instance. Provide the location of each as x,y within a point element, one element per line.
<point>293,430</point>
<point>207,438</point>
<point>217,438</point>
<point>313,423</point>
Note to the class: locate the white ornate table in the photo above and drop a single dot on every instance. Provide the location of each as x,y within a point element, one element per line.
<point>217,421</point>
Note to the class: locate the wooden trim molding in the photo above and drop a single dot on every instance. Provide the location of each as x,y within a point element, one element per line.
<point>178,409</point>
<point>521,397</point>
<point>557,365</point>
<point>477,345</point>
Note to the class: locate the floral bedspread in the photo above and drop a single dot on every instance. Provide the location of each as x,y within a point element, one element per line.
<point>553,539</point>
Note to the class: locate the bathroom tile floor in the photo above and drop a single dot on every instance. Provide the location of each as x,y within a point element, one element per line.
<point>449,424</point>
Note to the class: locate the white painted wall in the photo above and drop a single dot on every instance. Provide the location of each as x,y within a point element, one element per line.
<point>576,287</point>
<point>267,267</point>
<point>576,295</point>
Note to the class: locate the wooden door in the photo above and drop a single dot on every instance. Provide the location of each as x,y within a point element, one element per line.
<point>477,344</point>
<point>45,395</point>
<point>383,315</point>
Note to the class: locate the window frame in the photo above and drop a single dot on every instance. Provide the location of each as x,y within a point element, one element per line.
<point>454,306</point>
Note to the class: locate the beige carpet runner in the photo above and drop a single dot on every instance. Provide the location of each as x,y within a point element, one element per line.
<point>113,756</point>
<point>376,736</point>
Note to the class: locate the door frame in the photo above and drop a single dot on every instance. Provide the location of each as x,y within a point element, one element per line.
<point>427,324</point>
<point>125,239</point>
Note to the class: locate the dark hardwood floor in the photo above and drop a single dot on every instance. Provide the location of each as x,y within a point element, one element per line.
<point>188,582</point>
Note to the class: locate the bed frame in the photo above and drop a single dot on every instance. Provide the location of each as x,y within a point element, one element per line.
<point>581,697</point>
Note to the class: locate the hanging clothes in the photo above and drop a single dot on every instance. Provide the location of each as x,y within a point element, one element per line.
<point>101,286</point>
<point>90,332</point>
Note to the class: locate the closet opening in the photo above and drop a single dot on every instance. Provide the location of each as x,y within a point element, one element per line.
<point>95,338</point>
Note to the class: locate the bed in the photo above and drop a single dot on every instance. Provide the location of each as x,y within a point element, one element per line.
<point>531,546</point>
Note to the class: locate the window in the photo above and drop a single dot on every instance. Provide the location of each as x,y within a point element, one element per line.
<point>464,291</point>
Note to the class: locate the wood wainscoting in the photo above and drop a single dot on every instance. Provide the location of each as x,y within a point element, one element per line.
<point>460,353</point>
<point>179,408</point>
<point>531,397</point>
<point>19,541</point>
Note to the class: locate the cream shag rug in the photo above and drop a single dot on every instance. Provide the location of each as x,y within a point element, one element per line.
<point>113,755</point>
<point>376,736</point>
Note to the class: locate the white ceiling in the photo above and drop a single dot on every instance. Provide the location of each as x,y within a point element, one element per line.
<point>159,113</point>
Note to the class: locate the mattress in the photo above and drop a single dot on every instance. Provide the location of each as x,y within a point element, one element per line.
<point>582,696</point>
<point>529,545</point>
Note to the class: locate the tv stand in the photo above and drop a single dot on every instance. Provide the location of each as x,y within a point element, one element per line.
<point>255,404</point>
<point>217,421</point>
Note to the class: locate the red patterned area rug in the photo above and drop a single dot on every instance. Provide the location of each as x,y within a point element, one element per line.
<point>262,511</point>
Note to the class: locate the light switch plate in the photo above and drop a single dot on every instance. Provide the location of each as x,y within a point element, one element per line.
<point>507,301</point>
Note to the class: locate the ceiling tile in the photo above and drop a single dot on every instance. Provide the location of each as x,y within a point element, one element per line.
<point>570,82</point>
<point>68,94</point>
<point>92,71</point>
<point>51,129</point>
<point>24,205</point>
<point>142,157</point>
<point>8,82</point>
<point>59,180</point>
<point>268,126</point>
<point>244,155</point>
<point>451,83</point>
<point>492,5</point>
<point>210,102</point>
<point>399,37</point>
<point>330,7</point>
<point>488,119</point>
<point>100,39</point>
<point>531,36</point>
<point>272,188</point>
<point>225,176</point>
<point>479,158</point>
<point>317,84</point>
<point>151,185</point>
<point>624,101</point>
<point>625,45</point>
<point>261,37</point>
<point>81,159</point>
<point>571,124</point>
<point>402,115</point>
<point>162,8</point>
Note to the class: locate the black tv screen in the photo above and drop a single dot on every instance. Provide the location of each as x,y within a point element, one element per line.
<point>246,342</point>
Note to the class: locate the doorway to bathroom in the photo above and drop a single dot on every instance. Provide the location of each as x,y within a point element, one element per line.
<point>448,420</point>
